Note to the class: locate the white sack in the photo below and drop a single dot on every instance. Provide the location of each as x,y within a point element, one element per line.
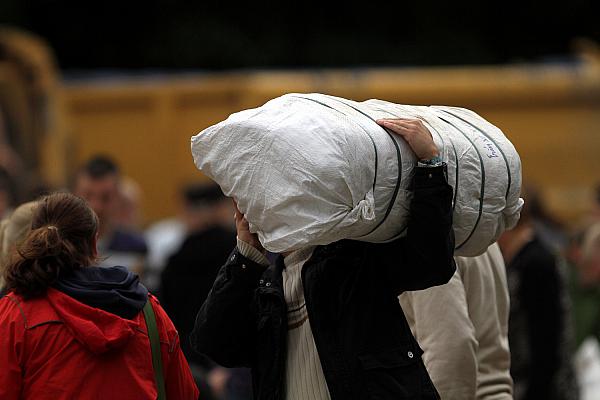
<point>310,169</point>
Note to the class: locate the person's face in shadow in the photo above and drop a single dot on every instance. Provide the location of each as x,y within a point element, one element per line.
<point>100,193</point>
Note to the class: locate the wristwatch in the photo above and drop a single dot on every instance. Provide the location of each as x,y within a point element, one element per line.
<point>432,162</point>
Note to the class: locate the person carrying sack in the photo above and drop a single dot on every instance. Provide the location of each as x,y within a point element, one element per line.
<point>324,322</point>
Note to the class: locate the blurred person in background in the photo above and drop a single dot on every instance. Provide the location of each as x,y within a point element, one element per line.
<point>98,182</point>
<point>13,230</point>
<point>31,116</point>
<point>8,193</point>
<point>17,182</point>
<point>540,331</point>
<point>583,258</point>
<point>164,238</point>
<point>191,270</point>
<point>127,214</point>
<point>11,169</point>
<point>462,327</point>
<point>596,204</point>
<point>189,276</point>
<point>548,228</point>
<point>69,329</point>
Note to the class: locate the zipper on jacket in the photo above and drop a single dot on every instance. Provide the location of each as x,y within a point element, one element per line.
<point>320,346</point>
<point>271,287</point>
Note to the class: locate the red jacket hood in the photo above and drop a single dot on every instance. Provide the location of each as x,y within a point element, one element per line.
<point>96,329</point>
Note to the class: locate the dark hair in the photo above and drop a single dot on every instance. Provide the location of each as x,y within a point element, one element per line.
<point>100,166</point>
<point>61,239</point>
<point>202,194</point>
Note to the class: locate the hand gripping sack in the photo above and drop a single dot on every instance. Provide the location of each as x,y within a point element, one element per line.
<point>311,169</point>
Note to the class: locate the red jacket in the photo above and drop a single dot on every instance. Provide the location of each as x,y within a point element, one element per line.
<point>55,348</point>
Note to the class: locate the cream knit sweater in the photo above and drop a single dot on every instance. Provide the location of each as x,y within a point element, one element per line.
<point>304,377</point>
<point>463,328</point>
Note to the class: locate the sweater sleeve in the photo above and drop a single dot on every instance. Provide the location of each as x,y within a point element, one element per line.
<point>441,324</point>
<point>251,253</point>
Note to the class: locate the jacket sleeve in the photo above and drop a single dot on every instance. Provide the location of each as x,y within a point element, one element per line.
<point>422,258</point>
<point>179,382</point>
<point>11,348</point>
<point>225,327</point>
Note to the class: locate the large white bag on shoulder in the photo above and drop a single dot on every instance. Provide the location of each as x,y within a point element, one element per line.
<point>310,169</point>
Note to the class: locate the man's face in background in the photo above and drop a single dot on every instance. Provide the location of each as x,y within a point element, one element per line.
<point>101,194</point>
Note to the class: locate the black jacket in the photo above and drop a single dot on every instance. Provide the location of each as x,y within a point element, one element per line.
<point>351,291</point>
<point>188,278</point>
<point>538,329</point>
